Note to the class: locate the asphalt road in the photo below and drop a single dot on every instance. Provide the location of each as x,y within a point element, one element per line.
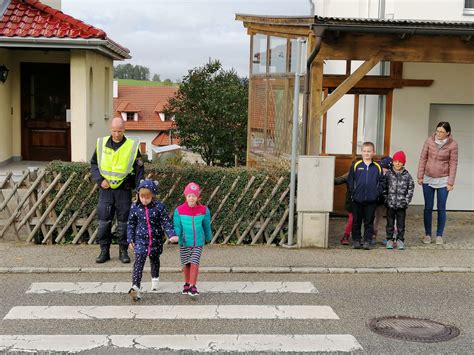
<point>446,298</point>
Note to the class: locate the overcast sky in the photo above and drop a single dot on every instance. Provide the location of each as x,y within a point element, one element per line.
<point>172,36</point>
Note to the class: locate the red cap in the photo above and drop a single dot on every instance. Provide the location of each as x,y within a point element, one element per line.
<point>400,156</point>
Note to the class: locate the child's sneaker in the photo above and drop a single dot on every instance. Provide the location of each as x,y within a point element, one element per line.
<point>439,240</point>
<point>400,245</point>
<point>345,240</point>
<point>135,294</point>
<point>356,244</point>
<point>427,239</point>
<point>372,241</point>
<point>389,244</point>
<point>155,283</point>
<point>384,241</point>
<point>193,291</point>
<point>366,246</point>
<point>186,288</point>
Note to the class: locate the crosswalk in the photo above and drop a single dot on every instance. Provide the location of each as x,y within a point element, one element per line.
<point>301,343</point>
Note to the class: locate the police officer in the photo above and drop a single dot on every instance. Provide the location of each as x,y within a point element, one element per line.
<point>117,168</point>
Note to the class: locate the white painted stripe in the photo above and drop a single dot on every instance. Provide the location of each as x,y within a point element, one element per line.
<point>173,312</point>
<point>173,287</point>
<point>310,343</point>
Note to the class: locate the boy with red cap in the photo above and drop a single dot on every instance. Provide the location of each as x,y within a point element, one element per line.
<point>192,223</point>
<point>400,188</point>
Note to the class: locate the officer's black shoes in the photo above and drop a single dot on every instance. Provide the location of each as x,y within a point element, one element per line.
<point>103,256</point>
<point>123,255</point>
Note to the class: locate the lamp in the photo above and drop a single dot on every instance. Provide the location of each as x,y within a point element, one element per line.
<point>3,73</point>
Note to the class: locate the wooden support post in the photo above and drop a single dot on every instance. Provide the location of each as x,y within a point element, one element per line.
<point>313,136</point>
<point>347,85</point>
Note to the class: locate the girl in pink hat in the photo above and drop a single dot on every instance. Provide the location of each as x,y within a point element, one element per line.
<point>192,223</point>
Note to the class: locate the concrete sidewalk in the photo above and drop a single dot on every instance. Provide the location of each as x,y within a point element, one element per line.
<point>19,257</point>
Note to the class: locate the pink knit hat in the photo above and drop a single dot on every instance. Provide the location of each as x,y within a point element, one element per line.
<point>400,156</point>
<point>192,188</point>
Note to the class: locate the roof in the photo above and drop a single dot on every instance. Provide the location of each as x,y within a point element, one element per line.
<point>126,106</point>
<point>145,99</point>
<point>167,148</point>
<point>30,21</point>
<point>163,138</point>
<point>373,25</point>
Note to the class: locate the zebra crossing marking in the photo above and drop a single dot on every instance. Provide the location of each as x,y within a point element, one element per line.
<point>173,312</point>
<point>173,287</point>
<point>310,343</point>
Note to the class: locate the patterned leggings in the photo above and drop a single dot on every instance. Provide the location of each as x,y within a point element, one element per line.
<point>139,264</point>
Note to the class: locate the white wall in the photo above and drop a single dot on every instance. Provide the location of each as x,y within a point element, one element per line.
<point>453,84</point>
<point>447,10</point>
<point>91,103</point>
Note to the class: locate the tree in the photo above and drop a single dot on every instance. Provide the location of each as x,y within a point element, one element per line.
<point>129,71</point>
<point>210,110</point>
<point>156,77</point>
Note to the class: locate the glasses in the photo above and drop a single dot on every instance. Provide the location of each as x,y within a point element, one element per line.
<point>441,132</point>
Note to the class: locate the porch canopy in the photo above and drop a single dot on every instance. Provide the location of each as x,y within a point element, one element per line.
<point>369,40</point>
<point>30,24</point>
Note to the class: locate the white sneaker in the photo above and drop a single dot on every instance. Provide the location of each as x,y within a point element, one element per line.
<point>155,283</point>
<point>135,293</point>
<point>439,240</point>
<point>427,239</point>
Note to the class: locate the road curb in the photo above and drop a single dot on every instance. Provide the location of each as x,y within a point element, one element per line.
<point>244,270</point>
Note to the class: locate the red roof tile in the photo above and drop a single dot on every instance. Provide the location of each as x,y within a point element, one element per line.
<point>145,99</point>
<point>31,18</point>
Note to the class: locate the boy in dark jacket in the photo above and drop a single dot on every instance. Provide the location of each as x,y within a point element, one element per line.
<point>366,184</point>
<point>400,187</point>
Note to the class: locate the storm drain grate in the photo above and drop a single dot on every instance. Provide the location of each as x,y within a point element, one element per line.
<point>413,329</point>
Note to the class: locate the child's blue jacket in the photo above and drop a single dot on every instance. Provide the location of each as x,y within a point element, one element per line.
<point>145,227</point>
<point>365,183</point>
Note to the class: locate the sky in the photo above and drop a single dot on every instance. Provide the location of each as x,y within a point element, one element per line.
<point>172,36</point>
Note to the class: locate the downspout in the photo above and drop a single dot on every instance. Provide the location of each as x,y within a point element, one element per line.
<point>318,32</point>
<point>311,8</point>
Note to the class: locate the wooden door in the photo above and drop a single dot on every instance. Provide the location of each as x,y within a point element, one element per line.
<point>45,97</point>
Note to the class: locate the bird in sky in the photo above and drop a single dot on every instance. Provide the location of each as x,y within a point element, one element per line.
<point>341,120</point>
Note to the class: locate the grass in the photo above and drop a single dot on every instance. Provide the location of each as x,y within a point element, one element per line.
<point>144,83</point>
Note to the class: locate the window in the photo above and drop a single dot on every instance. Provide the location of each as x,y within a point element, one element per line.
<point>277,60</point>
<point>259,54</point>
<point>130,116</point>
<point>468,7</point>
<point>142,148</point>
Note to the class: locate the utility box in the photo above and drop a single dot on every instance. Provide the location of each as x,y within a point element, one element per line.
<point>315,191</point>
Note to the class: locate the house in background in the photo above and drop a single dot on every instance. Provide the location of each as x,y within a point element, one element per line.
<point>57,98</point>
<point>384,71</point>
<point>142,109</point>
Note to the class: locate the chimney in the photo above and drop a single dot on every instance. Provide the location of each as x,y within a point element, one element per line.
<point>115,89</point>
<point>56,4</point>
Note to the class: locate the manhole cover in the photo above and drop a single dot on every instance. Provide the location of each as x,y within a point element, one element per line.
<point>413,329</point>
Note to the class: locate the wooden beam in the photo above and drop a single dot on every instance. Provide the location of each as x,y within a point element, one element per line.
<point>280,31</point>
<point>314,124</point>
<point>375,82</point>
<point>347,84</point>
<point>417,48</point>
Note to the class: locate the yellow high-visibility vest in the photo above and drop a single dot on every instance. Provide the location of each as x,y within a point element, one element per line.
<point>115,165</point>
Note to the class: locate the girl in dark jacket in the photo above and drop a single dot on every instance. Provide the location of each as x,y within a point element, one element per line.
<point>147,219</point>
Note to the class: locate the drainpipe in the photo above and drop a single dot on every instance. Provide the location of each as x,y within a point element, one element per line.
<point>311,8</point>
<point>318,32</point>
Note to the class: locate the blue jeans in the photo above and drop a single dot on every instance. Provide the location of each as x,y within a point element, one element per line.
<point>441,198</point>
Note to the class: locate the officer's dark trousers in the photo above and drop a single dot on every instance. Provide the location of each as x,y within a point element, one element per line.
<point>113,202</point>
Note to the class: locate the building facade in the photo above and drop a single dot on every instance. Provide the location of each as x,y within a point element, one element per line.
<point>396,104</point>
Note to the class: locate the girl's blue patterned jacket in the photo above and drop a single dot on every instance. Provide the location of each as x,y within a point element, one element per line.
<point>145,227</point>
